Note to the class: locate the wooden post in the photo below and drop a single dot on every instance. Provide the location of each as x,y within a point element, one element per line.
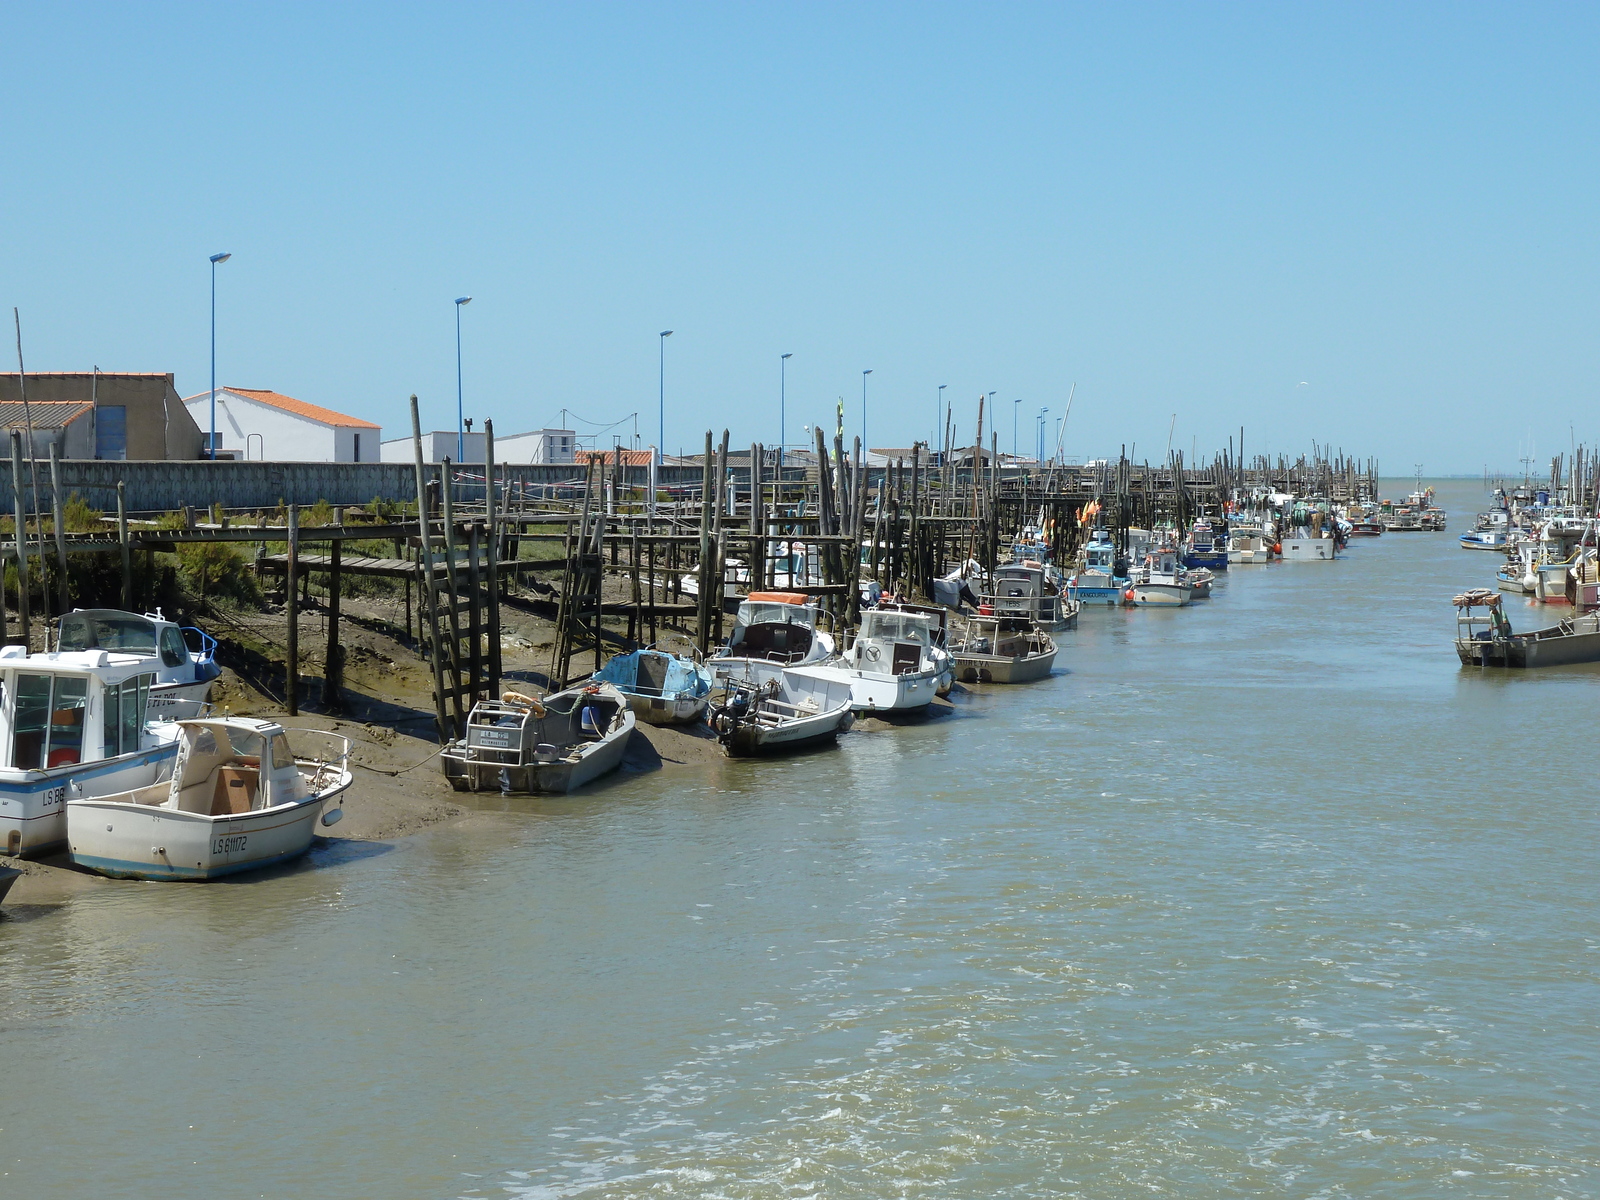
<point>919,584</point>
<point>493,682</point>
<point>452,580</point>
<point>291,674</point>
<point>22,534</point>
<point>426,588</point>
<point>475,606</point>
<point>756,572</point>
<point>57,512</point>
<point>127,549</point>
<point>333,668</point>
<point>702,608</point>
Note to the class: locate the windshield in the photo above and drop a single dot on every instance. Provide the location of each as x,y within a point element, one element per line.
<point>97,631</point>
<point>753,612</point>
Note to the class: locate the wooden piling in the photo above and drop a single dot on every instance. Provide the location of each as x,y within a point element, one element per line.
<point>291,670</point>
<point>125,545</point>
<point>22,536</point>
<point>333,664</point>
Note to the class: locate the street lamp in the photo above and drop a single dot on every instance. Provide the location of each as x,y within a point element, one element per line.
<point>1014,405</point>
<point>662,399</point>
<point>211,448</point>
<point>938,419</point>
<point>864,375</point>
<point>461,440</point>
<point>783,428</point>
<point>1040,457</point>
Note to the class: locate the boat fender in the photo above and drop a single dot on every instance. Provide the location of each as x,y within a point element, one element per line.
<point>1130,595</point>
<point>1277,547</point>
<point>524,700</point>
<point>334,817</point>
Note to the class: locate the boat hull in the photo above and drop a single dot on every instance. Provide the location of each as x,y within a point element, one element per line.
<point>1308,549</point>
<point>1109,595</point>
<point>135,841</point>
<point>752,740</point>
<point>1529,650</point>
<point>668,710</point>
<point>993,668</point>
<point>33,817</point>
<point>1160,595</point>
<point>178,701</point>
<point>879,692</point>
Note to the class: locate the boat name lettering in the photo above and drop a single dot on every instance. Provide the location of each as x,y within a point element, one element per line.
<point>233,844</point>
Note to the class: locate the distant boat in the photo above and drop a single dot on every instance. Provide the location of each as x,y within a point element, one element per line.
<point>662,688</point>
<point>1488,640</point>
<point>1208,545</point>
<point>1025,591</point>
<point>1103,576</point>
<point>768,709</point>
<point>1160,581</point>
<point>520,744</point>
<point>1483,539</point>
<point>239,799</point>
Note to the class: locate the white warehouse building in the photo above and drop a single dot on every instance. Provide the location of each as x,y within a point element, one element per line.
<point>537,446</point>
<point>253,423</point>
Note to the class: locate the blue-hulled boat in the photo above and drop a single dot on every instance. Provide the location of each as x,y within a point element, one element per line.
<point>1208,545</point>
<point>661,688</point>
<point>1103,577</point>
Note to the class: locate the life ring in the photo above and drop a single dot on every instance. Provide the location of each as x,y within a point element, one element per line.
<point>524,700</point>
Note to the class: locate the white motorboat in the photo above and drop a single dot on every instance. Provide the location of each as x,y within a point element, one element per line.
<point>73,724</point>
<point>770,709</point>
<point>1002,650</point>
<point>520,744</point>
<point>1248,545</point>
<point>240,797</point>
<point>184,659</point>
<point>1160,581</point>
<point>892,666</point>
<point>1483,539</point>
<point>778,627</point>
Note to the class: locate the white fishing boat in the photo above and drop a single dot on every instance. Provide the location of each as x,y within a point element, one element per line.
<point>770,709</point>
<point>240,797</point>
<point>521,744</point>
<point>1159,581</point>
<point>184,659</point>
<point>1101,577</point>
<point>73,724</point>
<point>1483,539</point>
<point>778,627</point>
<point>1002,650</point>
<point>1248,545</point>
<point>892,665</point>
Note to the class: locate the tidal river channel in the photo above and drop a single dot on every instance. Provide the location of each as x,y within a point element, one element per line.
<point>1263,897</point>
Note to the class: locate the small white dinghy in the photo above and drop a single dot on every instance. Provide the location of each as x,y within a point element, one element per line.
<point>770,710</point>
<point>239,798</point>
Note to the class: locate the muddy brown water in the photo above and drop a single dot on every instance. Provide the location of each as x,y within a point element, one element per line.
<point>1262,897</point>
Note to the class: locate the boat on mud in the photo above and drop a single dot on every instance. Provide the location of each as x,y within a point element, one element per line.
<point>183,657</point>
<point>769,709</point>
<point>520,744</point>
<point>662,688</point>
<point>240,798</point>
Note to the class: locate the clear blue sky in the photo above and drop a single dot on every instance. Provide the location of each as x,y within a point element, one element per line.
<point>1187,210</point>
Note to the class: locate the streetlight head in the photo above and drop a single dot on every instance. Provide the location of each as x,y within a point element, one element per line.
<point>666,333</point>
<point>789,355</point>
<point>463,299</point>
<point>216,258</point>
<point>868,371</point>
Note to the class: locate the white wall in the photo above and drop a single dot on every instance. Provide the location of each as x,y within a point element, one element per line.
<point>437,445</point>
<point>284,437</point>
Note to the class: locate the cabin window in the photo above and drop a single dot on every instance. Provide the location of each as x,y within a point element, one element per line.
<point>281,755</point>
<point>173,652</point>
<point>135,695</point>
<point>28,722</point>
<point>67,711</point>
<point>111,720</point>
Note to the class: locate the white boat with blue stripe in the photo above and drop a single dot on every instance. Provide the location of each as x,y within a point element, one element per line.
<point>73,724</point>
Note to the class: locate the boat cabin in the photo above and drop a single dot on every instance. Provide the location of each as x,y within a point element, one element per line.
<point>776,626</point>
<point>894,642</point>
<point>230,767</point>
<point>149,636</point>
<point>70,707</point>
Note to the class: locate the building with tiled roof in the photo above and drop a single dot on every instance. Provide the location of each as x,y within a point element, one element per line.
<point>99,414</point>
<point>258,423</point>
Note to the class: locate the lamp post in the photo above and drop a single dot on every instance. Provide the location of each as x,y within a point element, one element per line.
<point>783,383</point>
<point>461,440</point>
<point>211,445</point>
<point>938,421</point>
<point>1040,457</point>
<point>662,398</point>
<point>864,375</point>
<point>1014,405</point>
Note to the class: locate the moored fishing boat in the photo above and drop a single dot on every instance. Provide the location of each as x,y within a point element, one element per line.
<point>778,627</point>
<point>892,665</point>
<point>1483,539</point>
<point>1208,545</point>
<point>1027,591</point>
<point>240,797</point>
<point>1102,575</point>
<point>520,744</point>
<point>1160,581</point>
<point>72,724</point>
<point>1489,641</point>
<point>661,688</point>
<point>770,709</point>
<point>1002,650</point>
